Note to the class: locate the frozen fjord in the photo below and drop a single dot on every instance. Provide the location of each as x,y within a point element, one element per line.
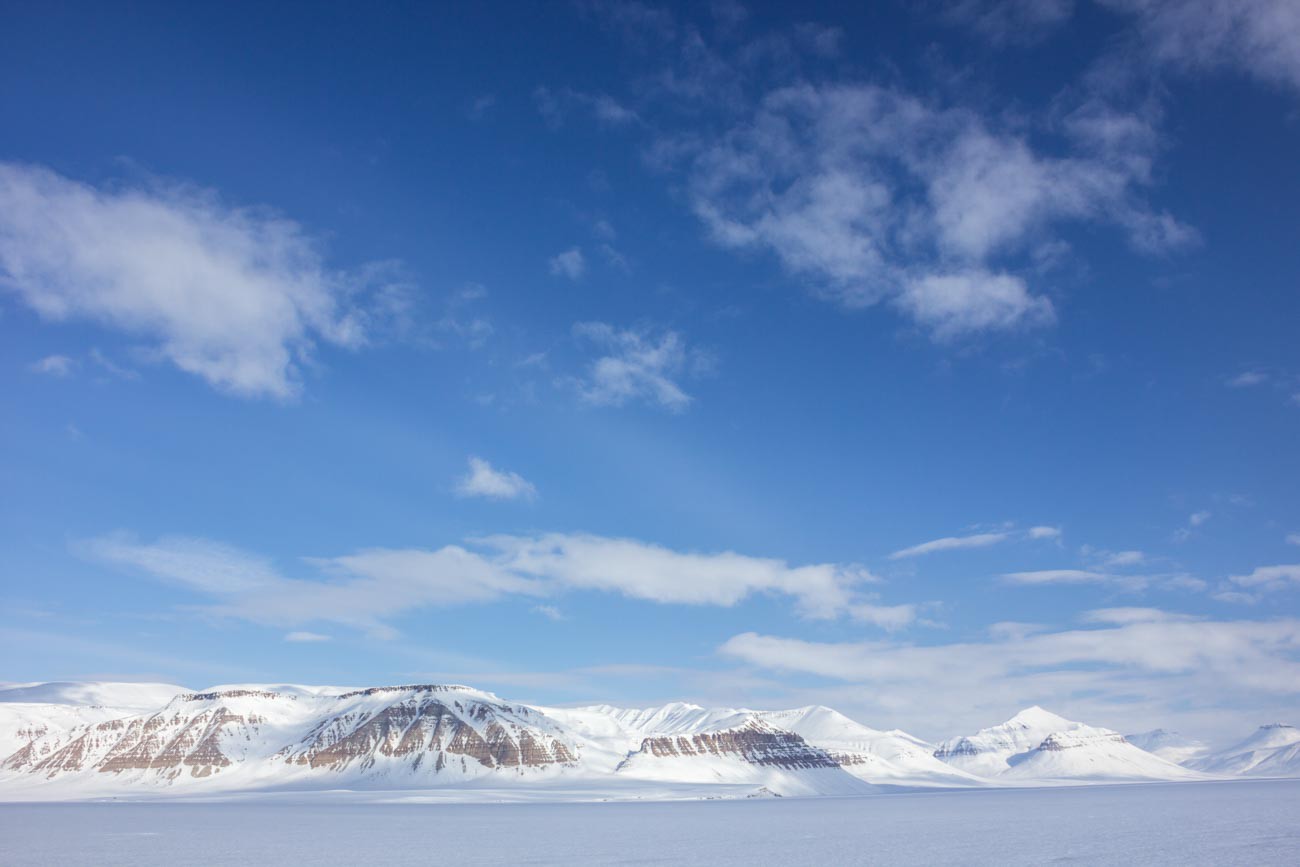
<point>1237,822</point>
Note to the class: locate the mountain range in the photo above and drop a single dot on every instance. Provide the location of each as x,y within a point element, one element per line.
<point>91,740</point>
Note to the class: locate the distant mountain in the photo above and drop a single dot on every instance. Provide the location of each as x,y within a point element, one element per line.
<point>987,752</point>
<point>1037,745</point>
<point>139,696</point>
<point>1272,751</point>
<point>1168,745</point>
<point>471,743</point>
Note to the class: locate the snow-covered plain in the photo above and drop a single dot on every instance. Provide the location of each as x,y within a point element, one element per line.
<point>1221,823</point>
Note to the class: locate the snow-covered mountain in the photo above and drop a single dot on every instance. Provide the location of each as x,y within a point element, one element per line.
<point>1039,746</point>
<point>1272,751</point>
<point>1168,745</point>
<point>157,739</point>
<point>987,752</point>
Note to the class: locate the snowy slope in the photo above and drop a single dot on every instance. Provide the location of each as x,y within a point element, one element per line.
<point>867,753</point>
<point>1037,745</point>
<point>137,696</point>
<point>1168,745</point>
<point>1272,751</point>
<point>986,753</point>
<point>1095,754</point>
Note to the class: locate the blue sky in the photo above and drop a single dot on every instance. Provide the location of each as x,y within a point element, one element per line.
<point>928,361</point>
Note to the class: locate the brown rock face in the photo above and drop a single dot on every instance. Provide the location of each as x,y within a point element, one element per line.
<point>430,725</point>
<point>754,742</point>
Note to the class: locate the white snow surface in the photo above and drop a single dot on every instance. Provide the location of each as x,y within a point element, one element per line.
<point>1227,824</point>
<point>1271,751</point>
<point>1168,745</point>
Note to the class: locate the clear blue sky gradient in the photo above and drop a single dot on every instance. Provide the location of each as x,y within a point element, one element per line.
<point>421,135</point>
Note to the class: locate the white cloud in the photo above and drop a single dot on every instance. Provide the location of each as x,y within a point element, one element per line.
<point>54,365</point>
<point>655,573</point>
<point>890,618</point>
<point>951,305</point>
<point>366,589</point>
<point>1123,558</point>
<point>871,194</point>
<point>200,564</point>
<point>306,637</point>
<point>571,264</point>
<point>1293,538</point>
<point>1124,616</point>
<point>1258,37</point>
<point>483,480</point>
<point>1159,664</point>
<point>639,366</point>
<point>550,612</point>
<point>1010,21</point>
<point>950,543</point>
<point>1058,576</point>
<point>1044,532</point>
<point>1269,577</point>
<point>1196,519</point>
<point>1248,379</point>
<point>237,296</point>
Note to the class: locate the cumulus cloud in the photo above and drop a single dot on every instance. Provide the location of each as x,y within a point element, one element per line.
<point>368,588</point>
<point>237,296</point>
<point>571,264</point>
<point>638,366</point>
<point>483,480</point>
<point>870,194</point>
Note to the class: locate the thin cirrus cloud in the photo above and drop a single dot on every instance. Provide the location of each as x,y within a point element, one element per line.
<point>484,480</point>
<point>306,637</point>
<point>975,540</point>
<point>366,589</point>
<point>54,365</point>
<point>236,296</point>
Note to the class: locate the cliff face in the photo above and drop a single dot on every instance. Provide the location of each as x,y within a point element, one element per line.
<point>754,742</point>
<point>417,730</point>
<point>429,728</point>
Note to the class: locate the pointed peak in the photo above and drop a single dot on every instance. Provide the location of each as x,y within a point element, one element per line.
<point>1035,715</point>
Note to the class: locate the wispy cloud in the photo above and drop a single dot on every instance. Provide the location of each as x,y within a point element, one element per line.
<point>236,296</point>
<point>570,263</point>
<point>951,543</point>
<point>1268,578</point>
<point>367,588</point>
<point>483,480</point>
<point>639,366</point>
<point>976,540</point>
<point>306,637</point>
<point>54,365</point>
